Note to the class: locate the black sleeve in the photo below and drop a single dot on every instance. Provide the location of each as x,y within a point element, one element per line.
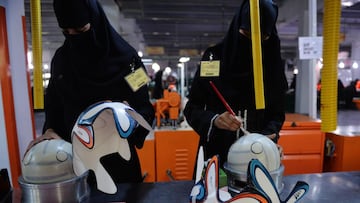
<point>140,101</point>
<point>195,110</point>
<point>54,109</point>
<point>276,85</point>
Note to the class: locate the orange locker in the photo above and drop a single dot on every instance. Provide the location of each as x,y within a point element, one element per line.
<point>175,154</point>
<point>346,151</point>
<point>147,160</point>
<point>303,144</point>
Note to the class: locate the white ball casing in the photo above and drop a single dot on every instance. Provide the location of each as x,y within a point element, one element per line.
<point>49,161</point>
<point>253,146</point>
<point>246,148</point>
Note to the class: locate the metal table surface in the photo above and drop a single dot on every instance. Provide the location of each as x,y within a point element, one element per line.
<point>337,187</point>
<point>332,187</point>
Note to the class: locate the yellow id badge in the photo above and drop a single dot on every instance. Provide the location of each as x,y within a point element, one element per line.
<point>210,68</point>
<point>137,79</point>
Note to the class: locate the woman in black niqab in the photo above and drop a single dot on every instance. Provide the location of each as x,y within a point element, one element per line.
<point>236,83</point>
<point>89,51</point>
<point>90,67</point>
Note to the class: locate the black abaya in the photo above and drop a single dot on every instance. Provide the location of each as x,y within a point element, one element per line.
<point>90,67</point>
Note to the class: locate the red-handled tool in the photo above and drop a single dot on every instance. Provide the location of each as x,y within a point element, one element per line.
<point>228,108</point>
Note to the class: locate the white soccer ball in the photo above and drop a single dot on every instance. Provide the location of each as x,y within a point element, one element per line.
<point>253,146</point>
<point>49,161</point>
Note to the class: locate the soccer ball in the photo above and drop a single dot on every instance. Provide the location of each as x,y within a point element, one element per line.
<point>49,161</point>
<point>253,146</point>
<point>248,147</point>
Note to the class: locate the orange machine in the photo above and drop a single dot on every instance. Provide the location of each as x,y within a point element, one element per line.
<point>175,153</point>
<point>167,107</point>
<point>357,102</point>
<point>147,160</point>
<point>343,145</point>
<point>169,155</point>
<point>303,145</point>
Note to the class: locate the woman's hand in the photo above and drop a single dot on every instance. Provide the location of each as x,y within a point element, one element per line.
<point>227,121</point>
<point>271,136</point>
<point>48,135</point>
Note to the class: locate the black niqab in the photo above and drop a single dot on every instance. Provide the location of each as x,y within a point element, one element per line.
<point>236,83</point>
<point>90,67</point>
<point>233,41</point>
<point>93,63</point>
<point>237,61</point>
<point>97,56</point>
<point>71,13</point>
<point>268,16</point>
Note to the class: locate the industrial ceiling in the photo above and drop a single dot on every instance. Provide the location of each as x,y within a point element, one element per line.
<point>167,29</point>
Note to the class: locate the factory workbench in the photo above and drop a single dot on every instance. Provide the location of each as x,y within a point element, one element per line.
<point>338,187</point>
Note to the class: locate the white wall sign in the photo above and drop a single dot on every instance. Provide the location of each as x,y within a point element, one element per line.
<point>310,47</point>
